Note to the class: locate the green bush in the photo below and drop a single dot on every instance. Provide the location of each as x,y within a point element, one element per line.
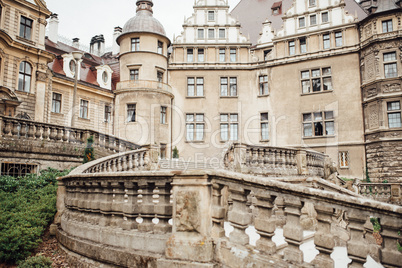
<point>89,151</point>
<point>27,206</point>
<point>175,153</point>
<point>36,262</point>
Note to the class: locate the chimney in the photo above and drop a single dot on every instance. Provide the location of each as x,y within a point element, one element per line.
<point>97,45</point>
<point>53,34</point>
<point>116,48</point>
<point>76,43</point>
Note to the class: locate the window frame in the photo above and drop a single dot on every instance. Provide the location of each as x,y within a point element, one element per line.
<point>302,19</point>
<point>222,55</point>
<point>315,19</point>
<point>134,74</point>
<point>84,109</point>
<point>312,3</point>
<point>199,58</point>
<point>391,111</point>
<point>25,76</point>
<point>198,84</point>
<point>190,55</point>
<point>194,123</point>
<point>390,62</point>
<point>211,18</point>
<point>160,47</point>
<point>326,16</point>
<point>159,76</point>
<point>108,113</point>
<point>163,115</point>
<point>313,121</point>
<point>344,159</point>
<point>55,101</point>
<point>229,123</point>
<point>311,77</point>
<point>199,35</point>
<point>229,84</point>
<point>292,47</point>
<point>135,44</point>
<point>131,117</point>
<point>220,35</point>
<point>303,47</point>
<point>326,41</point>
<point>387,26</point>
<point>338,39</point>
<point>24,25</point>
<point>233,54</point>
<point>211,36</point>
<point>264,121</point>
<point>263,85</point>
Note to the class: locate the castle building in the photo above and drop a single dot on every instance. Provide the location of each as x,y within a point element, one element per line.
<point>318,74</point>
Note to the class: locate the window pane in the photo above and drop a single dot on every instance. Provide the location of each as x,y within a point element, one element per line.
<point>306,86</point>
<point>329,128</point>
<point>199,136</point>
<point>327,83</point>
<point>211,33</point>
<point>390,70</point>
<point>329,115</point>
<point>394,120</point>
<point>224,118</point>
<point>190,132</point>
<point>338,39</point>
<point>324,17</point>
<point>224,86</point>
<point>392,106</point>
<point>318,129</point>
<point>308,130</point>
<point>317,116</point>
<point>305,74</point>
<point>224,132</point>
<point>302,22</point>
<point>315,73</point>
<point>233,118</point>
<point>390,56</point>
<point>264,131</point>
<point>199,118</point>
<point>291,48</point>
<point>200,33</point>
<point>28,69</point>
<point>221,33</point>
<point>326,71</point>
<point>233,86</point>
<point>327,43</point>
<point>313,19</point>
<point>306,117</point>
<point>190,86</point>
<point>200,86</point>
<point>200,55</point>
<point>316,84</point>
<point>264,116</point>
<point>190,118</point>
<point>233,132</point>
<point>303,45</point>
<point>27,83</point>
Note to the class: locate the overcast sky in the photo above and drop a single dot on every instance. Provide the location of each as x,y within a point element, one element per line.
<point>87,18</point>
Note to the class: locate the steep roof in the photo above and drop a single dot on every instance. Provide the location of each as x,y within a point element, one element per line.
<point>252,13</point>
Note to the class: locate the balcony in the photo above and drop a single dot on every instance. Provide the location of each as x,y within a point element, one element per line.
<point>133,85</point>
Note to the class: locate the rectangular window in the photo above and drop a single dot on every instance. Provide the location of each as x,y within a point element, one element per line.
<point>131,111</point>
<point>195,86</point>
<point>263,85</point>
<point>326,41</point>
<point>302,22</point>
<point>17,169</point>
<point>264,127</point>
<point>160,47</point>
<point>190,55</point>
<point>135,44</point>
<point>316,80</point>
<point>84,109</point>
<point>163,114</point>
<point>211,33</point>
<point>292,49</point>
<point>201,34</point>
<point>134,74</point>
<point>338,39</point>
<point>343,159</point>
<point>108,113</point>
<point>394,114</point>
<point>232,55</point>
<point>228,90</point>
<point>222,33</point>
<point>387,26</point>
<point>211,15</point>
<point>303,45</point>
<point>324,17</point>
<point>26,27</point>
<point>56,103</point>
<point>159,77</point>
<point>313,19</point>
<point>311,3</point>
<point>222,55</point>
<point>195,127</point>
<point>201,55</point>
<point>229,127</point>
<point>318,124</point>
<point>390,65</point>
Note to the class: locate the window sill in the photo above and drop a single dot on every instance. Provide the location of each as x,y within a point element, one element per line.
<point>318,92</point>
<point>24,92</point>
<point>195,142</point>
<point>85,119</point>
<point>262,96</point>
<point>344,167</point>
<point>195,97</point>
<point>58,114</point>
<point>229,97</point>
<point>318,137</point>
<point>264,141</point>
<point>25,40</point>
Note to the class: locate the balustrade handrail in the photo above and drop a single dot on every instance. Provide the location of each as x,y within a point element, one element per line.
<point>138,84</point>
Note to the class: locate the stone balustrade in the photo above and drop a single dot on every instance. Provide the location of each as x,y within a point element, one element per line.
<point>143,84</point>
<point>273,161</point>
<point>173,219</point>
<point>384,192</point>
<point>26,130</point>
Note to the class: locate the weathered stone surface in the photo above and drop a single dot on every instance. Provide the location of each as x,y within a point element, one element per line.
<point>190,247</point>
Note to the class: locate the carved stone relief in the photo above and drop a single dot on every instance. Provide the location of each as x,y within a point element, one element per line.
<point>373,116</point>
<point>41,76</point>
<point>187,211</point>
<point>370,71</point>
<point>389,88</point>
<point>371,92</point>
<point>368,30</point>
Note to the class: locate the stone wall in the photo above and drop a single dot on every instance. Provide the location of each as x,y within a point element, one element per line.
<point>384,161</point>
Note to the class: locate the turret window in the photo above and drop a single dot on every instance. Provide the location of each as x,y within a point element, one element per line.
<point>390,68</point>
<point>134,74</point>
<point>131,112</point>
<point>135,44</point>
<point>387,26</point>
<point>160,47</point>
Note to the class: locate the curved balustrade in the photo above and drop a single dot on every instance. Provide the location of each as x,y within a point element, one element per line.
<point>143,84</point>
<point>385,192</point>
<point>163,219</point>
<point>267,160</point>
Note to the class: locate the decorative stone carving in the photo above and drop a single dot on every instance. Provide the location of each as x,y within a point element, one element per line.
<point>368,30</point>
<point>373,116</point>
<point>187,212</point>
<point>41,76</point>
<point>371,92</point>
<point>370,72</point>
<point>389,88</point>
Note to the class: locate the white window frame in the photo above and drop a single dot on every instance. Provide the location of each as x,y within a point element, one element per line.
<point>229,127</point>
<point>393,109</point>
<point>195,127</point>
<point>84,109</point>
<point>321,76</point>
<point>264,126</point>
<point>324,118</point>
<point>56,108</point>
<point>195,86</point>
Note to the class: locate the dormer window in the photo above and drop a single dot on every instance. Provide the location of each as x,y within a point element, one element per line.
<point>211,15</point>
<point>105,77</point>
<point>72,66</point>
<point>277,8</point>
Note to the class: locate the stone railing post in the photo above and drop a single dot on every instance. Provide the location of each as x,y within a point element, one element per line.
<point>218,212</point>
<point>152,156</point>
<point>60,205</point>
<point>293,231</point>
<point>239,217</point>
<point>323,239</point>
<point>265,224</point>
<point>131,208</point>
<point>240,154</point>
<point>357,246</point>
<point>390,256</point>
<point>192,220</point>
<point>147,211</point>
<point>163,209</point>
<point>301,158</point>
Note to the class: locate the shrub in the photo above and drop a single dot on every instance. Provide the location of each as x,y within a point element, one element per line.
<point>36,262</point>
<point>89,151</point>
<point>175,152</point>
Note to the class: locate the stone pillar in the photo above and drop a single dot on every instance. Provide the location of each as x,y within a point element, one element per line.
<point>323,239</point>
<point>390,256</point>
<point>239,217</point>
<point>218,212</point>
<point>60,205</point>
<point>301,158</point>
<point>192,220</point>
<point>293,231</point>
<point>265,224</point>
<point>240,151</point>
<point>357,246</point>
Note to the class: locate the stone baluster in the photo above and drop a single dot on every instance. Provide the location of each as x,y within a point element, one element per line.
<point>254,160</point>
<point>14,130</point>
<point>218,212</point>
<point>147,212</point>
<point>117,145</point>
<point>323,239</point>
<point>131,207</point>
<point>357,246</point>
<point>23,130</point>
<point>248,157</point>
<point>118,202</point>
<point>59,136</point>
<point>124,164</point>
<point>145,159</point>
<point>45,132</point>
<point>71,138</point>
<point>261,158</point>
<point>7,127</point>
<point>53,133</point>
<point>130,163</point>
<point>136,161</point>
<point>293,231</point>
<point>31,131</point>
<point>265,224</point>
<point>119,161</point>
<point>66,135</point>
<point>107,142</point>
<point>113,163</point>
<point>267,165</point>
<point>390,255</point>
<point>109,166</point>
<point>105,205</point>
<point>239,217</point>
<point>280,212</point>
<point>164,208</point>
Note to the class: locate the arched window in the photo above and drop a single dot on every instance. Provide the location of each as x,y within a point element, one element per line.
<point>24,79</point>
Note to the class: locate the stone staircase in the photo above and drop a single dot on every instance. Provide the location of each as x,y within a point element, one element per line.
<point>166,164</point>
